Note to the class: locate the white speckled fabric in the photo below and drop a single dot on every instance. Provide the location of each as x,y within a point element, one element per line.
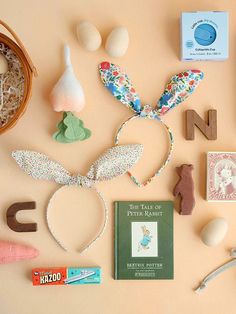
<point>114,162</point>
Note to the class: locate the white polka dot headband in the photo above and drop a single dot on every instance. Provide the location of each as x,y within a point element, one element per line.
<point>177,90</point>
<point>114,162</point>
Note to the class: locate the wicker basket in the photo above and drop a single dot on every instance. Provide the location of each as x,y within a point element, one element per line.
<point>28,71</point>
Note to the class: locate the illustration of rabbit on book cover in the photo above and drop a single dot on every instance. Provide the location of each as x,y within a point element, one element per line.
<point>145,239</point>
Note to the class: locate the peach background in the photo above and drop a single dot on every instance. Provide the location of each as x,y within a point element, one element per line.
<point>153,56</point>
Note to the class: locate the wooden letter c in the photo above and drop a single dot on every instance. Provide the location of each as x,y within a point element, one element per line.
<point>12,221</point>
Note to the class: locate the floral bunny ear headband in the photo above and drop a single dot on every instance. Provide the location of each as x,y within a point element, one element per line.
<point>114,162</point>
<point>177,90</point>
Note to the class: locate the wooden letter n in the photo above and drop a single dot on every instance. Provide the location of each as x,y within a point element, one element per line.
<point>209,128</point>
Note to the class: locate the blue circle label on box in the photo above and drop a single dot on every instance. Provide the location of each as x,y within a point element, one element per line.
<point>205,34</point>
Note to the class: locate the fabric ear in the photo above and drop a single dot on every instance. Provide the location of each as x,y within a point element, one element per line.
<point>119,84</point>
<point>39,166</point>
<point>178,89</point>
<point>115,162</point>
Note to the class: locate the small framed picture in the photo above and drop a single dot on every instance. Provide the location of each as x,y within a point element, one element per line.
<point>221,176</point>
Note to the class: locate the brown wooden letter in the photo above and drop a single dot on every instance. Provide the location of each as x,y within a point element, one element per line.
<point>209,128</point>
<point>12,221</point>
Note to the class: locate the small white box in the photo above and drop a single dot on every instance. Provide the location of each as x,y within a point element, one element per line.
<point>204,35</point>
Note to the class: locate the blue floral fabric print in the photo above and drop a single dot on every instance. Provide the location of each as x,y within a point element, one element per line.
<point>119,85</point>
<point>178,89</point>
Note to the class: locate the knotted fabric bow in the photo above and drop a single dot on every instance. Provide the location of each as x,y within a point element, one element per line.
<point>177,90</point>
<point>114,162</point>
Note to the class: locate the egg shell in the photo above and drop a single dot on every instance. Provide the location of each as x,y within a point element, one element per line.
<point>214,232</point>
<point>3,64</point>
<point>117,42</point>
<point>89,36</point>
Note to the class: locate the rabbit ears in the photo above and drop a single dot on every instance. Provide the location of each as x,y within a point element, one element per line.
<point>177,90</point>
<point>114,162</point>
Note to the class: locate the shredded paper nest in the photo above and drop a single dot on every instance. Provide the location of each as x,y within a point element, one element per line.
<point>11,86</point>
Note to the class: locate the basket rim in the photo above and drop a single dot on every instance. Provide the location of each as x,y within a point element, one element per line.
<point>28,76</point>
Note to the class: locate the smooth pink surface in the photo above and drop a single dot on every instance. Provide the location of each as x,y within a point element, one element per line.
<point>12,252</point>
<point>64,102</point>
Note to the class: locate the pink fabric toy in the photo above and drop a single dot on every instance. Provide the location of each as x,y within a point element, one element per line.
<point>67,94</point>
<point>12,252</point>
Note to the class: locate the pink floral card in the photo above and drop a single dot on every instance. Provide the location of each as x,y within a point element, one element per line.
<point>221,176</point>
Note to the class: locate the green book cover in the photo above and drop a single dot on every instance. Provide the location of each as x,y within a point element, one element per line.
<point>144,240</point>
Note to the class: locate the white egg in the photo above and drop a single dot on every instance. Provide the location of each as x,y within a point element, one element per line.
<point>117,42</point>
<point>89,36</point>
<point>3,64</point>
<point>214,232</point>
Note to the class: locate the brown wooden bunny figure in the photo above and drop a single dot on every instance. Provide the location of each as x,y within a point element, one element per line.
<point>185,188</point>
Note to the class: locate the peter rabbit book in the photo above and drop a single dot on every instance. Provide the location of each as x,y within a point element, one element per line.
<point>144,240</point>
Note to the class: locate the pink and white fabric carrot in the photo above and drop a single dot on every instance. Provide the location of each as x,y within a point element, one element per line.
<point>12,252</point>
<point>67,96</point>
